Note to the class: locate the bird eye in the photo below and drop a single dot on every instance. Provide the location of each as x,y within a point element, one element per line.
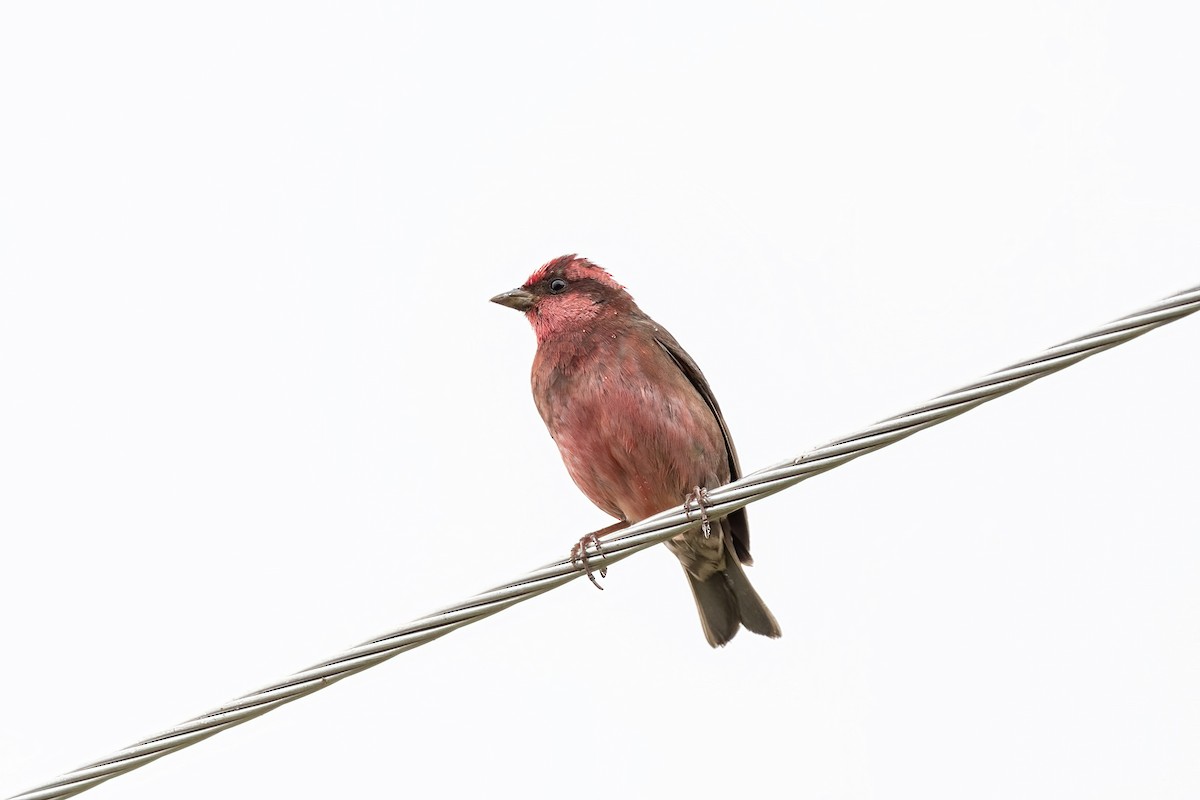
<point>557,286</point>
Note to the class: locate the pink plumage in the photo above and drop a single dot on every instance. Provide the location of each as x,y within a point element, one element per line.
<point>638,427</point>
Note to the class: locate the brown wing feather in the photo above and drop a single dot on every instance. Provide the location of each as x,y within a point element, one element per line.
<point>736,522</point>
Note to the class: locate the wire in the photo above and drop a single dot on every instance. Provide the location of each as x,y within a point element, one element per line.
<point>637,537</point>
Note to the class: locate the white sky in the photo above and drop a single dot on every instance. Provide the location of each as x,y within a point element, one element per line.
<point>256,408</point>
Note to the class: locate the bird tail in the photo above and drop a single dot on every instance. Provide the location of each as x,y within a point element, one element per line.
<point>726,601</point>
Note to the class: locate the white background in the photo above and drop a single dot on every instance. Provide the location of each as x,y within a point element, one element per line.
<point>255,407</point>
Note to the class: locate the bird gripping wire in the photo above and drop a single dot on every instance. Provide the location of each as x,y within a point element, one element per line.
<point>644,534</point>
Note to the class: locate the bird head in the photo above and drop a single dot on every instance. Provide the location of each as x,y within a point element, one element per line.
<point>564,294</point>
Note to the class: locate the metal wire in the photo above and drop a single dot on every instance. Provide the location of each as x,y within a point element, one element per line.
<point>637,537</point>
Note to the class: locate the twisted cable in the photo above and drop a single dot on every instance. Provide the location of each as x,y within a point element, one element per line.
<point>637,537</point>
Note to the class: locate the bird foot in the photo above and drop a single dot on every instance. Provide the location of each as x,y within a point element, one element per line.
<point>699,496</point>
<point>579,552</point>
<point>579,556</point>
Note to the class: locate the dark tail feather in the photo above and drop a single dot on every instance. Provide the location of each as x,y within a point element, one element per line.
<point>754,612</point>
<point>727,601</point>
<point>717,606</point>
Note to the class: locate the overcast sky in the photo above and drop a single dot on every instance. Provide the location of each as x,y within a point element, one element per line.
<point>255,407</point>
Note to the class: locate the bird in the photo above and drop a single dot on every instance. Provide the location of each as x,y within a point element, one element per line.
<point>639,429</point>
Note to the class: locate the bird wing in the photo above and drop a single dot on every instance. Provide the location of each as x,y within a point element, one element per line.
<point>739,527</point>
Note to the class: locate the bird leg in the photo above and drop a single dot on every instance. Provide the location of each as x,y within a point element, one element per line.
<point>579,551</point>
<point>699,496</point>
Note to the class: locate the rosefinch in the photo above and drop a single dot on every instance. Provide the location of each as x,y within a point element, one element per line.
<point>638,427</point>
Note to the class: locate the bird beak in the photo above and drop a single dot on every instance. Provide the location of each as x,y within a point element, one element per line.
<point>519,299</point>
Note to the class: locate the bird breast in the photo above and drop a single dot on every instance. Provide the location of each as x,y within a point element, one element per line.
<point>634,433</point>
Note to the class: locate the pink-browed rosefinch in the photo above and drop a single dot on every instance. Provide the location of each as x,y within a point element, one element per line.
<point>638,427</point>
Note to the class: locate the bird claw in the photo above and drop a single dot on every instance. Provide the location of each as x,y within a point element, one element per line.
<point>579,556</point>
<point>699,496</point>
